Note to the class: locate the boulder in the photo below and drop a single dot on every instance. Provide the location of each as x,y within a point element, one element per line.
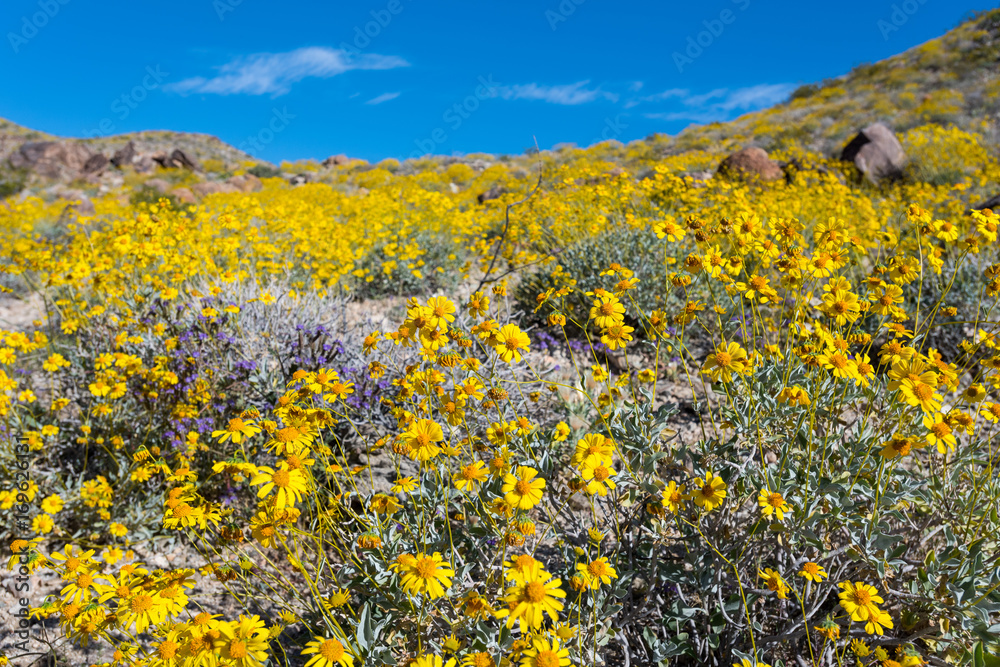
<point>299,179</point>
<point>751,163</point>
<point>51,159</point>
<point>495,192</point>
<point>143,164</point>
<point>336,161</point>
<point>876,152</point>
<point>175,160</point>
<point>993,203</point>
<point>97,163</point>
<point>158,184</point>
<point>124,156</point>
<point>211,188</point>
<point>183,195</point>
<point>246,183</point>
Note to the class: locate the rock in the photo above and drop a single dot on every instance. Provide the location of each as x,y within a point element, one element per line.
<point>158,184</point>
<point>336,161</point>
<point>876,152</point>
<point>212,188</point>
<point>97,163</point>
<point>751,163</point>
<point>993,203</point>
<point>52,159</point>
<point>124,156</point>
<point>246,183</point>
<point>495,192</point>
<point>143,164</point>
<point>299,179</point>
<point>183,195</point>
<point>175,160</point>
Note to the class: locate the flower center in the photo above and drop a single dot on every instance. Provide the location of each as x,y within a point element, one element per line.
<point>168,649</point>
<point>237,649</point>
<point>534,591</point>
<point>601,473</point>
<point>863,597</point>
<point>723,359</point>
<point>141,603</point>
<point>523,487</point>
<point>425,568</point>
<point>547,659</point>
<point>332,650</point>
<point>281,478</point>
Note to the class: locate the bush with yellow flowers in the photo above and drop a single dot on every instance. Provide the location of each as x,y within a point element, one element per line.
<point>619,415</point>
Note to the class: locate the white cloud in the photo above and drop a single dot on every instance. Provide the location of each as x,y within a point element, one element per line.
<point>384,97</point>
<point>568,94</point>
<point>721,103</point>
<point>274,73</point>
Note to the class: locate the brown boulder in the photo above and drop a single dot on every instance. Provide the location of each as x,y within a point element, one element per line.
<point>183,195</point>
<point>876,152</point>
<point>51,159</point>
<point>336,161</point>
<point>993,203</point>
<point>97,163</point>
<point>175,160</point>
<point>495,192</point>
<point>751,163</point>
<point>124,156</point>
<point>158,184</point>
<point>212,188</point>
<point>246,183</point>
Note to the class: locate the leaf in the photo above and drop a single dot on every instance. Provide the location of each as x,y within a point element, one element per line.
<point>365,634</point>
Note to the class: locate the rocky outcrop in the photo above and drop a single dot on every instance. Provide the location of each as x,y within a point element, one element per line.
<point>336,161</point>
<point>877,153</point>
<point>246,183</point>
<point>212,188</point>
<point>124,156</point>
<point>51,159</point>
<point>175,160</point>
<point>752,164</point>
<point>495,192</point>
<point>97,163</point>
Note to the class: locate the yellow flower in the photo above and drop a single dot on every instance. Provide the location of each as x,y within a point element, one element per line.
<point>52,505</point>
<point>290,485</point>
<point>470,476</point>
<point>598,476</point>
<point>861,601</point>
<point>726,361</point>
<point>711,492</point>
<point>422,574</point>
<point>597,572</point>
<point>813,571</point>
<point>772,502</point>
<point>237,430</point>
<point>524,489</point>
<point>422,437</point>
<point>327,653</point>
<point>512,343</point>
<point>529,601</point>
<point>544,653</point>
<point>774,582</point>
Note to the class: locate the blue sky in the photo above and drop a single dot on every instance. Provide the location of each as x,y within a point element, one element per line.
<point>397,78</point>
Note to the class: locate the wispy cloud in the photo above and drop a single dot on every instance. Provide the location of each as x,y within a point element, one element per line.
<point>567,94</point>
<point>384,97</point>
<point>274,73</point>
<point>721,103</point>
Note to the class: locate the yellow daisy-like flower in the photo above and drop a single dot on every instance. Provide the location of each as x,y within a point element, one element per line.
<point>524,489</point>
<point>470,477</point>
<point>237,430</point>
<point>861,601</point>
<point>598,476</point>
<point>529,601</point>
<point>674,497</point>
<point>327,653</point>
<point>774,582</point>
<point>290,485</point>
<point>726,361</point>
<point>597,572</point>
<point>544,653</point>
<point>813,572</point>
<point>422,437</point>
<point>711,494</point>
<point>423,574</point>
<point>772,502</point>
<point>512,343</point>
